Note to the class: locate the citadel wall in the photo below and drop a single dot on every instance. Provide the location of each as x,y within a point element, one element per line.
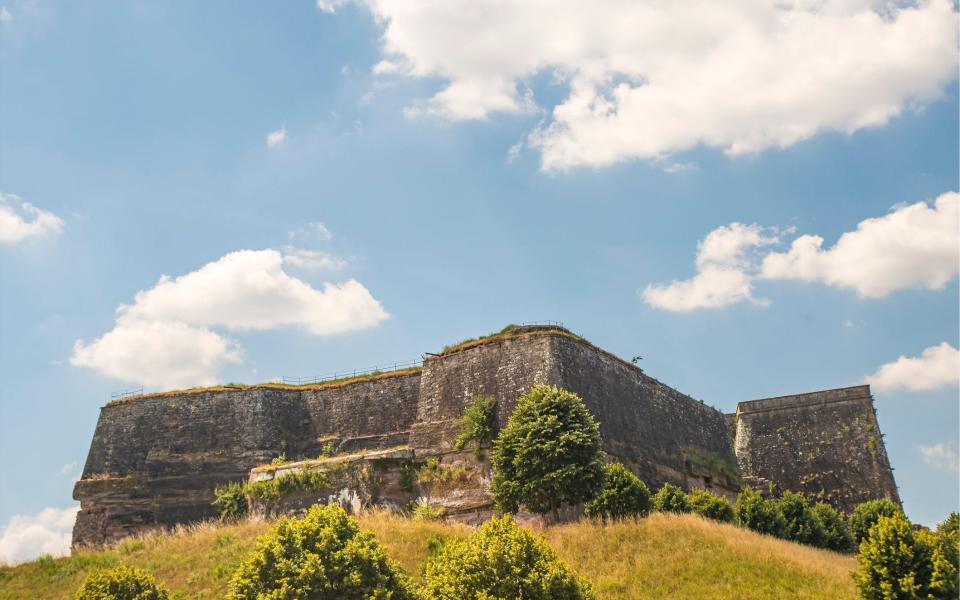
<point>826,445</point>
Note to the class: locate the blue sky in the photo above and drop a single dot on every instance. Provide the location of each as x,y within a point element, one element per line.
<point>140,132</point>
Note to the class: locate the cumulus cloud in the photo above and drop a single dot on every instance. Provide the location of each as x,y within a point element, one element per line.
<point>723,276</point>
<point>915,246</point>
<point>5,16</point>
<point>938,366</point>
<point>314,230</point>
<point>941,456</point>
<point>313,260</point>
<point>26,537</point>
<point>650,78</point>
<point>20,220</point>
<point>912,246</point>
<point>276,138</point>
<point>165,338</point>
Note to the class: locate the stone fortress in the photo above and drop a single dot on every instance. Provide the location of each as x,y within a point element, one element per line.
<point>155,459</point>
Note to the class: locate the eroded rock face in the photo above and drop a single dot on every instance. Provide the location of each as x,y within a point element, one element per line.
<point>155,460</point>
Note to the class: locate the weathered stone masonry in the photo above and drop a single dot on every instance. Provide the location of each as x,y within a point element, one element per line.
<point>155,459</point>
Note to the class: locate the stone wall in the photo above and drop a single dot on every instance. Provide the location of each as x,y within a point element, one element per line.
<point>155,460</point>
<point>826,445</point>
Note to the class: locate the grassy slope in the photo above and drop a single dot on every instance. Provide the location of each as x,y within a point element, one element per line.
<point>662,556</point>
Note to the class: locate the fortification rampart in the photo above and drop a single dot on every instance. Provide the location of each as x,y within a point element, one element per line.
<point>155,460</point>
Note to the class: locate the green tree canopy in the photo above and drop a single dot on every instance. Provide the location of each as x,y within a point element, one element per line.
<point>799,522</point>
<point>548,454</point>
<point>755,512</point>
<point>501,560</point>
<point>121,583</point>
<point>710,505</point>
<point>323,556</point>
<point>836,534</point>
<point>670,498</point>
<point>622,495</point>
<point>894,562</point>
<point>866,514</point>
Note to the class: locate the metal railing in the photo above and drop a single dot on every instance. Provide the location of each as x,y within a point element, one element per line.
<point>126,393</point>
<point>351,374</point>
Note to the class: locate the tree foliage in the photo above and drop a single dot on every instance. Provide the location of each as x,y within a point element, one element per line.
<point>866,514</point>
<point>322,556</point>
<point>121,583</point>
<point>501,560</point>
<point>478,423</point>
<point>836,534</point>
<point>944,559</point>
<point>670,498</point>
<point>548,454</point>
<point>800,524</point>
<point>710,505</point>
<point>622,495</point>
<point>231,501</point>
<point>755,512</point>
<point>894,562</point>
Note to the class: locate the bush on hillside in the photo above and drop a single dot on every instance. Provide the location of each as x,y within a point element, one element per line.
<point>755,512</point>
<point>710,505</point>
<point>478,423</point>
<point>231,501</point>
<point>894,562</point>
<point>548,454</point>
<point>866,514</point>
<point>501,560</point>
<point>944,558</point>
<point>323,555</point>
<point>799,522</point>
<point>121,583</point>
<point>670,498</point>
<point>836,534</point>
<point>622,495</point>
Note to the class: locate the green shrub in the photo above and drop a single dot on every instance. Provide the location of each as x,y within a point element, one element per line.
<point>866,514</point>
<point>501,560</point>
<point>231,501</point>
<point>424,511</point>
<point>548,454</point>
<point>270,491</point>
<point>710,505</point>
<point>622,495</point>
<point>670,498</point>
<point>478,423</point>
<point>755,512</point>
<point>408,475</point>
<point>121,583</point>
<point>944,559</point>
<point>799,523</point>
<point>322,556</point>
<point>836,534</point>
<point>894,562</point>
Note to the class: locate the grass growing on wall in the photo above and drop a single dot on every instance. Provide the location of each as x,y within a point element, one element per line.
<point>661,556</point>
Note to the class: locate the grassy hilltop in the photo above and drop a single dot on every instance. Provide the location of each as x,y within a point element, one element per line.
<point>660,556</point>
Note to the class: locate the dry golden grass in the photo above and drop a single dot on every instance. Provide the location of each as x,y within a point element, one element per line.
<point>662,556</point>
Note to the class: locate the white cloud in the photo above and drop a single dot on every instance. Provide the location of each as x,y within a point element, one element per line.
<point>310,231</point>
<point>723,261</point>
<point>651,78</point>
<point>5,16</point>
<point>164,338</point>
<point>941,456</point>
<point>276,138</point>
<point>910,247</point>
<point>311,259</point>
<point>68,468</point>
<point>26,537</point>
<point>938,366</point>
<point>20,220</point>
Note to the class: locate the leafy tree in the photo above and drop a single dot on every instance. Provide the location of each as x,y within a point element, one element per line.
<point>799,522</point>
<point>944,558</point>
<point>501,560</point>
<point>548,454</point>
<point>866,514</point>
<point>893,562</point>
<point>710,505</point>
<point>836,534</point>
<point>231,501</point>
<point>323,556</point>
<point>121,583</point>
<point>622,495</point>
<point>670,498</point>
<point>755,512</point>
<point>477,423</point>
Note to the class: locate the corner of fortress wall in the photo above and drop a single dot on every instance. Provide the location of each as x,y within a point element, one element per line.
<point>826,445</point>
<point>154,461</point>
